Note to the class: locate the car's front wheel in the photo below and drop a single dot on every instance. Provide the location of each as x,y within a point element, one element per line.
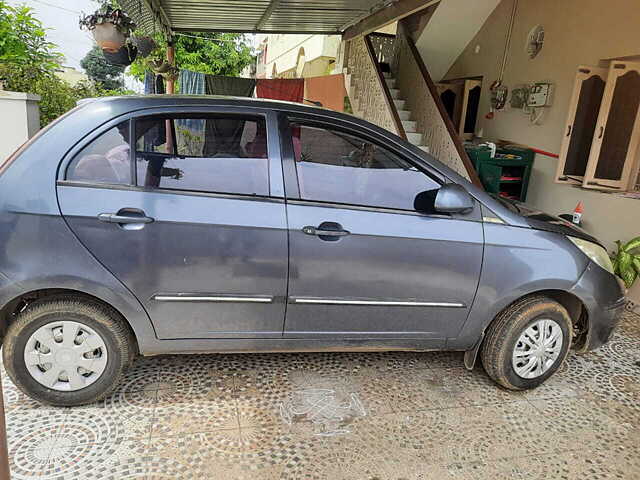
<point>67,350</point>
<point>527,343</point>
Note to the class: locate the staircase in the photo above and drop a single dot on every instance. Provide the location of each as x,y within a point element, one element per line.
<point>410,126</point>
<point>380,97</point>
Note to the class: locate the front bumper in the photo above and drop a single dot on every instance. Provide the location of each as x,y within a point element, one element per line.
<point>603,295</point>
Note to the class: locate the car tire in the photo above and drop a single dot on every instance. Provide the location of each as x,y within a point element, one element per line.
<point>92,348</point>
<point>526,343</point>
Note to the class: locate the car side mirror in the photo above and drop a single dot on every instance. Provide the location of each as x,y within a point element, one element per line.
<point>453,198</point>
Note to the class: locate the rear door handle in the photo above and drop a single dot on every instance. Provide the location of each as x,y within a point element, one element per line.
<point>115,218</point>
<point>127,218</point>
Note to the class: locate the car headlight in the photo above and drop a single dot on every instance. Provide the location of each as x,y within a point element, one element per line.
<point>595,252</point>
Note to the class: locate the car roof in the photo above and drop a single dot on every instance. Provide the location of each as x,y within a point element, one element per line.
<point>163,100</point>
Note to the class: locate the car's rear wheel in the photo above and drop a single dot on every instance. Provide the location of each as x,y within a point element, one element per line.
<point>527,343</point>
<point>67,350</point>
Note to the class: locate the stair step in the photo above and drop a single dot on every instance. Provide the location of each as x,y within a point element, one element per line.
<point>399,104</point>
<point>387,75</point>
<point>395,93</point>
<point>414,138</point>
<point>424,147</point>
<point>404,114</point>
<point>409,125</point>
<point>391,82</point>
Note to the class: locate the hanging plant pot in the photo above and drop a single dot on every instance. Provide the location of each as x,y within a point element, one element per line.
<point>123,57</point>
<point>110,27</point>
<point>145,45</point>
<point>160,66</point>
<point>108,37</point>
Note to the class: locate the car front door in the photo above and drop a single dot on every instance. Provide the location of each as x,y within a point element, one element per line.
<point>363,263</point>
<point>189,214</point>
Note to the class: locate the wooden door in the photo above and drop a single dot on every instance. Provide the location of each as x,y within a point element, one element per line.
<point>451,96</point>
<point>470,104</point>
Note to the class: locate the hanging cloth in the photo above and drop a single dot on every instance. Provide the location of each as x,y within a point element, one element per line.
<point>149,83</point>
<point>328,90</point>
<point>190,132</point>
<point>153,84</point>
<point>159,84</point>
<point>234,86</point>
<point>281,89</point>
<point>191,83</point>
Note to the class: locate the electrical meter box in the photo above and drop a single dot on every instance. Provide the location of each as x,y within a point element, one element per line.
<point>539,95</point>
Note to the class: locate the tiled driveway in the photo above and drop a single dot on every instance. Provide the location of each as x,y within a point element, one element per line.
<point>341,416</point>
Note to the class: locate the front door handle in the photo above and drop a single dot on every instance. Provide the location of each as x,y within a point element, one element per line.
<point>325,233</point>
<point>330,231</point>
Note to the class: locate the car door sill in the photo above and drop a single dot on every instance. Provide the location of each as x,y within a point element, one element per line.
<point>274,345</point>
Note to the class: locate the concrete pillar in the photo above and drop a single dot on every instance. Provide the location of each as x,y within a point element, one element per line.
<point>19,120</point>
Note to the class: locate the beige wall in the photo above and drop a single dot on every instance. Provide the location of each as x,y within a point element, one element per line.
<point>283,51</point>
<point>577,32</point>
<point>72,76</point>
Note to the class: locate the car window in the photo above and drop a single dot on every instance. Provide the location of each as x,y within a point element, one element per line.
<point>204,153</point>
<point>105,159</point>
<point>340,168</point>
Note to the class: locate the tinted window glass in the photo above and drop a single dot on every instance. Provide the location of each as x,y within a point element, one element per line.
<point>105,159</point>
<point>340,168</point>
<point>225,154</point>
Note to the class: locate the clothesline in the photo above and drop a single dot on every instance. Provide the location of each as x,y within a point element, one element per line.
<point>327,91</point>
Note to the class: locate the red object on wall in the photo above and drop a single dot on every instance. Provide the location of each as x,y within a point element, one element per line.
<point>281,89</point>
<point>328,90</point>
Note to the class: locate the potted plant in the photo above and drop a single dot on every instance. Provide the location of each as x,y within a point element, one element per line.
<point>626,261</point>
<point>109,26</point>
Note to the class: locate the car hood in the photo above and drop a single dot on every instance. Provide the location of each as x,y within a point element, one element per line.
<point>549,223</point>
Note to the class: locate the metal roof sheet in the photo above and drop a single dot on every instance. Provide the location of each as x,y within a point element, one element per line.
<point>256,16</point>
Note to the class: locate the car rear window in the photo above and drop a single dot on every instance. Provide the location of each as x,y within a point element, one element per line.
<point>106,159</point>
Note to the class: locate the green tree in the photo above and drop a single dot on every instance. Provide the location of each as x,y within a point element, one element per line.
<point>103,74</point>
<point>213,53</point>
<point>28,63</point>
<point>23,44</point>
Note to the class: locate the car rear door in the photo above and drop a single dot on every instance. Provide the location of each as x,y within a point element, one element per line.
<point>363,263</point>
<point>192,220</point>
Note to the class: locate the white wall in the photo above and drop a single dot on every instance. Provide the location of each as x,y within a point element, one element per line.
<point>577,32</point>
<point>19,121</point>
<point>449,30</point>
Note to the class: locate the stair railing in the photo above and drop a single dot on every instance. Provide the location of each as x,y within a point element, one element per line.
<point>426,107</point>
<point>368,91</point>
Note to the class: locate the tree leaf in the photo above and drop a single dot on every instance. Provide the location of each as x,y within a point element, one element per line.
<point>628,276</point>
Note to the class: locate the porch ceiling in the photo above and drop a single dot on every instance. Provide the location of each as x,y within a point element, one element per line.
<point>251,16</point>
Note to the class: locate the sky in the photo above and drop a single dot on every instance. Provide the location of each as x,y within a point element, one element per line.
<point>61,17</point>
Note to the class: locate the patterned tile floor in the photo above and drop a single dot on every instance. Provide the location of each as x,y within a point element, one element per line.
<point>339,416</point>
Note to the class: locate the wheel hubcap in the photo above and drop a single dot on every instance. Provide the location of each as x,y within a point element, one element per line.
<point>65,355</point>
<point>537,349</point>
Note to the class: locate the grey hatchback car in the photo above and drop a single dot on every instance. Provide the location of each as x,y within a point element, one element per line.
<point>175,224</point>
